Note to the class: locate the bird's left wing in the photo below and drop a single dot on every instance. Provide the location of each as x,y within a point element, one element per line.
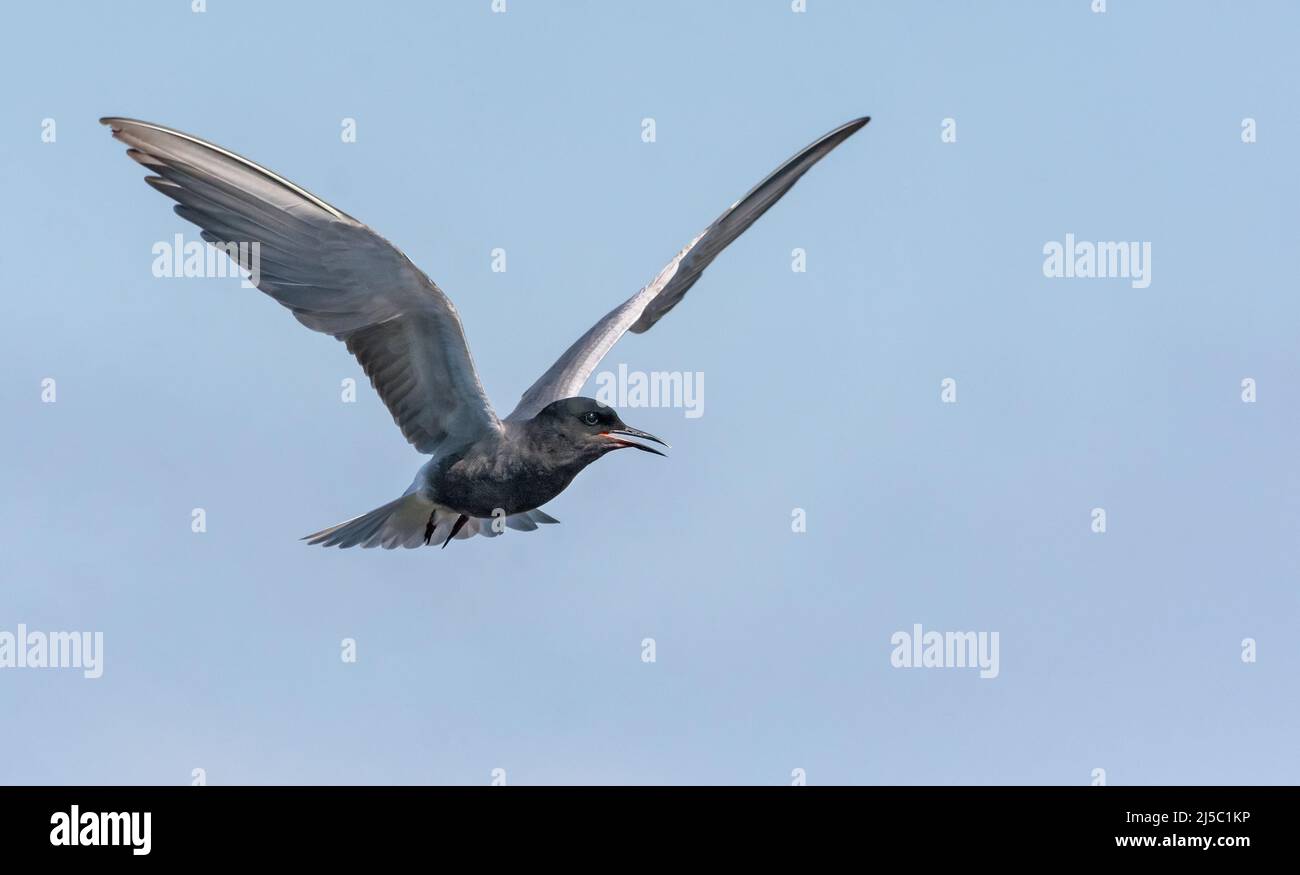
<point>337,276</point>
<point>566,377</point>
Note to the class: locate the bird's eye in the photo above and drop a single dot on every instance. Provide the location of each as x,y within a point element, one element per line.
<point>591,417</point>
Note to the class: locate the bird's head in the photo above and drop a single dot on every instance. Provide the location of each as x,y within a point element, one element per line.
<point>590,426</point>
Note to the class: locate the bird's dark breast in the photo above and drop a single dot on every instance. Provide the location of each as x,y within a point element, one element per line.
<point>482,487</point>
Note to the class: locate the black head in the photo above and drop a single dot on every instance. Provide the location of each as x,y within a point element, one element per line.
<point>587,423</point>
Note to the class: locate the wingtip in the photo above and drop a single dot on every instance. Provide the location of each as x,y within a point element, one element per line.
<point>117,122</point>
<point>848,129</point>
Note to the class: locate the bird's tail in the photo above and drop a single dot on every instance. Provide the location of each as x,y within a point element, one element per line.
<point>400,523</point>
<point>415,520</point>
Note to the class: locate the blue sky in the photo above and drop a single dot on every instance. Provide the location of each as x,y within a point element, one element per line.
<point>1119,651</point>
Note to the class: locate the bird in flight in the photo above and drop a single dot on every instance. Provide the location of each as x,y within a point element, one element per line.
<point>339,277</point>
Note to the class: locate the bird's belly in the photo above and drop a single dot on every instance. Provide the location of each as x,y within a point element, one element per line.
<point>486,495</point>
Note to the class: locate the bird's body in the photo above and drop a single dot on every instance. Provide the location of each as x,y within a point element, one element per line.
<point>339,277</point>
<point>517,469</point>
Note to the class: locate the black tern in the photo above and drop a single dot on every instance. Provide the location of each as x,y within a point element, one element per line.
<point>339,277</point>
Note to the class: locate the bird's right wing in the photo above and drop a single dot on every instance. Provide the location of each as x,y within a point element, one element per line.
<point>639,313</point>
<point>335,274</point>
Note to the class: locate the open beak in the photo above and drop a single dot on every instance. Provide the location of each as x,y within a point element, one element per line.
<point>638,433</point>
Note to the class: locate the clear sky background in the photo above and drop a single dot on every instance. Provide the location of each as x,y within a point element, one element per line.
<point>1119,651</point>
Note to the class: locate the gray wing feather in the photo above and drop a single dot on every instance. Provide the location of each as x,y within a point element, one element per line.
<point>639,313</point>
<point>335,274</point>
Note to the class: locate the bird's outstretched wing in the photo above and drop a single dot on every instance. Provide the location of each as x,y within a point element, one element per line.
<point>335,274</point>
<point>638,313</point>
